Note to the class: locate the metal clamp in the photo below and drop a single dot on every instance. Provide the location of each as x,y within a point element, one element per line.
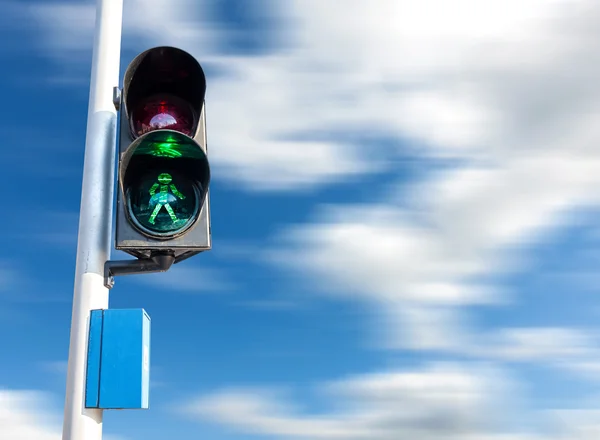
<point>117,98</point>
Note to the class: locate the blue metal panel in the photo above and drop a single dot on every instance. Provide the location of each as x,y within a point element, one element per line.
<point>92,383</point>
<point>124,371</point>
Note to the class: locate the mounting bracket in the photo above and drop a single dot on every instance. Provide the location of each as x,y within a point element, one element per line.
<point>159,262</point>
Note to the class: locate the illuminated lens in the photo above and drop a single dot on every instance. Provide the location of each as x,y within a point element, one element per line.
<point>169,145</point>
<point>163,202</point>
<point>161,112</point>
<point>165,183</point>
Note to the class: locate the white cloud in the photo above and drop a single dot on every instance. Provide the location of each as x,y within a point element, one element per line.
<point>22,417</point>
<point>504,66</point>
<point>475,79</point>
<point>510,88</point>
<point>8,277</point>
<point>569,350</point>
<point>25,415</point>
<point>442,401</point>
<point>424,328</point>
<point>435,401</point>
<point>260,150</point>
<point>68,27</point>
<point>542,344</point>
<point>455,232</point>
<point>60,229</point>
<point>56,367</point>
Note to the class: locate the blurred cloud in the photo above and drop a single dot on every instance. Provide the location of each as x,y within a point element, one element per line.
<point>508,89</point>
<point>527,150</point>
<point>56,367</point>
<point>8,276</point>
<point>488,84</point>
<point>439,401</point>
<point>541,344</point>
<point>60,229</point>
<point>263,152</point>
<point>24,415</point>
<point>572,351</point>
<point>68,27</point>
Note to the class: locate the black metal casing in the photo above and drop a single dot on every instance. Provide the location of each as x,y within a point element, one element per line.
<point>161,70</point>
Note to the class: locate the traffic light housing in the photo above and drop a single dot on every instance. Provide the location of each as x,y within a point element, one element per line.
<point>164,174</point>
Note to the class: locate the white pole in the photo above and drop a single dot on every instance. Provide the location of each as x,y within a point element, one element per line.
<point>95,218</point>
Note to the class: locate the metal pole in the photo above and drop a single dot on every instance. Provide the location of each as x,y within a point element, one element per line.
<point>95,218</point>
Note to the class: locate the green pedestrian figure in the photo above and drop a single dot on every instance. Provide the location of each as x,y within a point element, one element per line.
<point>159,194</point>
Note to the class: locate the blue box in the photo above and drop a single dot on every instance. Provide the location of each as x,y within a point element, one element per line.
<point>118,363</point>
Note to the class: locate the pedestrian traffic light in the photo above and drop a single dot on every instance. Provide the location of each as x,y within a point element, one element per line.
<point>163,176</point>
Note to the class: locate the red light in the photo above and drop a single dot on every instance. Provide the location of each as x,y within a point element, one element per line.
<point>162,112</point>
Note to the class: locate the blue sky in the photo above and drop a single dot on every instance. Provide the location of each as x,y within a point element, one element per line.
<point>404,213</point>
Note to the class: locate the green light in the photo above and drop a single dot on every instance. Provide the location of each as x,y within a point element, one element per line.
<point>163,203</point>
<point>165,181</point>
<point>168,144</point>
<point>165,150</point>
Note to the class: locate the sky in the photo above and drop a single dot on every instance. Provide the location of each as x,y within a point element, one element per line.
<point>404,205</point>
